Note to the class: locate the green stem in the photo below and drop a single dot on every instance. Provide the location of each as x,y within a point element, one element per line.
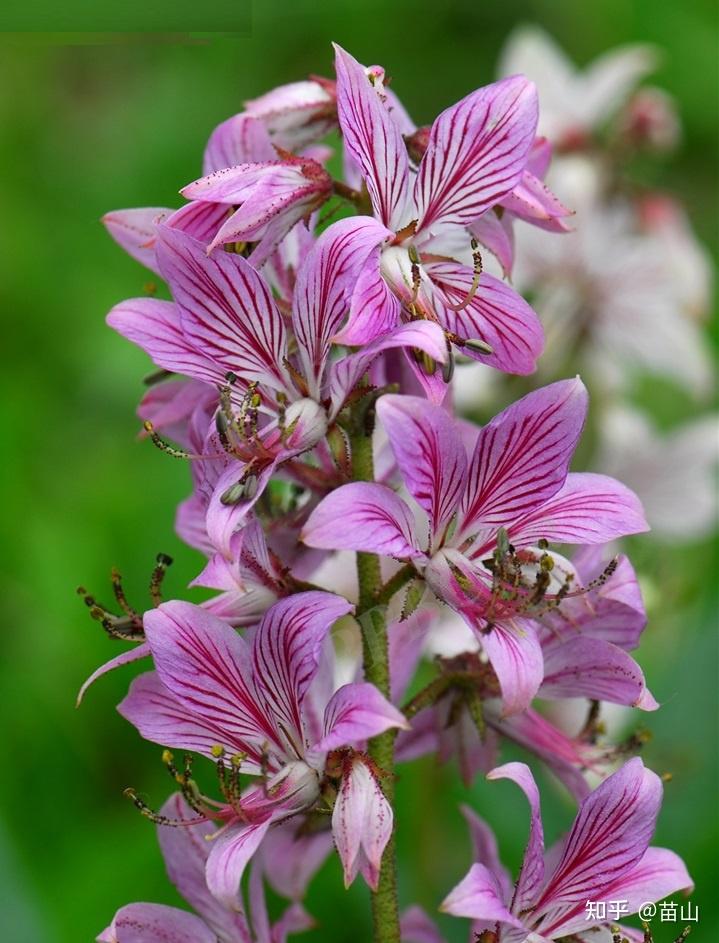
<point>385,909</point>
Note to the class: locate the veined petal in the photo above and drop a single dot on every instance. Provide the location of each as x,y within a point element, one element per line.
<point>609,837</point>
<point>593,668</point>
<point>238,140</point>
<point>229,855</point>
<point>324,286</point>
<point>206,665</point>
<point>227,309</point>
<point>198,219</point>
<point>477,152</point>
<point>659,874</point>
<point>478,896</point>
<point>157,923</point>
<point>363,516</point>
<point>185,850</point>
<point>429,452</point>
<point>531,875</point>
<point>155,326</point>
<point>374,308</point>
<point>587,509</point>
<point>356,712</point>
<point>521,457</point>
<point>373,139</point>
<point>136,231</point>
<point>223,520</point>
<point>515,654</point>
<point>534,202</point>
<point>362,822</point>
<point>286,653</point>
<point>345,374</point>
<point>495,314</point>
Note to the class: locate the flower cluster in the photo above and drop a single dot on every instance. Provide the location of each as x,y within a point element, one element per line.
<point>306,373</point>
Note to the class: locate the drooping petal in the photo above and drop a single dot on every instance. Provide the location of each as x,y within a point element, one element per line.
<point>136,231</point>
<point>362,823</point>
<point>185,850</point>
<point>534,202</point>
<point>495,314</point>
<point>155,326</point>
<point>292,856</point>
<point>596,669</point>
<point>324,286</point>
<point>477,152</point>
<point>531,874</point>
<point>295,114</point>
<point>373,139</point>
<point>229,855</point>
<point>363,516</point>
<point>515,654</point>
<point>227,309</point>
<point>206,665</point>
<point>356,712</point>
<point>587,509</point>
<point>223,518</point>
<point>286,655</point>
<point>157,923</point>
<point>609,837</point>
<point>126,658</point>
<point>406,639</point>
<point>429,452</point>
<point>521,457</point>
<point>478,896</point>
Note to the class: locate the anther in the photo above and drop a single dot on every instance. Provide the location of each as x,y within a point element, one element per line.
<point>158,575</point>
<point>161,444</point>
<point>476,275</point>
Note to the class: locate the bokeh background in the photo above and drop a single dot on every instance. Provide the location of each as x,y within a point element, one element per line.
<point>89,127</point>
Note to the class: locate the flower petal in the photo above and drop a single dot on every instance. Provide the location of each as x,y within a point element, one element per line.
<point>227,309</point>
<point>356,712</point>
<point>155,326</point>
<point>205,664</point>
<point>429,452</point>
<point>587,509</point>
<point>659,873</point>
<point>185,850</point>
<point>136,231</point>
<point>156,923</point>
<point>531,875</point>
<point>478,896</point>
<point>495,314</point>
<point>133,654</point>
<point>485,851</point>
<point>286,653</point>
<point>374,308</point>
<point>593,668</point>
<point>229,855</point>
<point>521,457</point>
<point>515,654</point>
<point>362,822</point>
<point>324,285</point>
<point>373,139</point>
<point>421,335</point>
<point>477,152</point>
<point>608,839</point>
<point>417,927</point>
<point>240,139</point>
<point>363,516</point>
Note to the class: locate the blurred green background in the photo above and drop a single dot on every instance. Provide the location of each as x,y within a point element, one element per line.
<point>88,128</point>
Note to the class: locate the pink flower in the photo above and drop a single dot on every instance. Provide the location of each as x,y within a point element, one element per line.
<point>476,154</point>
<point>271,704</point>
<point>605,857</point>
<point>483,517</point>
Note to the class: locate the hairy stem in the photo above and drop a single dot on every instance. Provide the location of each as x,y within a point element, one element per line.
<point>385,910</point>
